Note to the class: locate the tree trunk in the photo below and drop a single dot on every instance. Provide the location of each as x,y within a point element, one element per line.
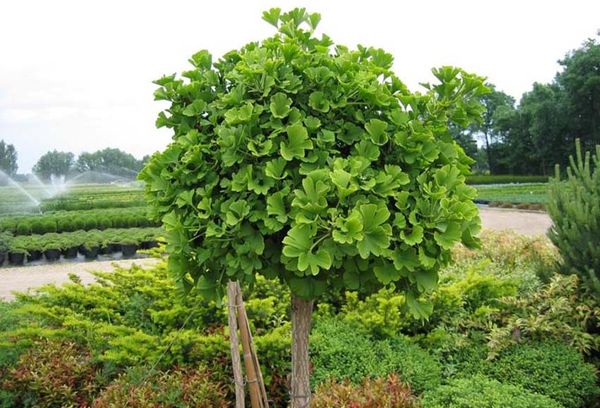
<point>301,322</point>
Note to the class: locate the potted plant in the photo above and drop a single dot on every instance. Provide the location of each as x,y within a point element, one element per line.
<point>52,251</point>
<point>16,256</point>
<point>129,246</point>
<point>91,249</point>
<point>3,247</point>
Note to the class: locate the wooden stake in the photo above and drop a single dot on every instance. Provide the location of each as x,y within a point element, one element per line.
<point>261,383</point>
<point>252,379</point>
<point>235,345</point>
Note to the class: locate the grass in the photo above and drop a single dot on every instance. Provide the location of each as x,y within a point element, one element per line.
<point>535,193</point>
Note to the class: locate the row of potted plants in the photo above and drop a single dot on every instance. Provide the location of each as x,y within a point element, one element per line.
<point>51,247</point>
<point>70,221</point>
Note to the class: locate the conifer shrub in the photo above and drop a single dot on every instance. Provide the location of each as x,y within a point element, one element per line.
<point>574,206</point>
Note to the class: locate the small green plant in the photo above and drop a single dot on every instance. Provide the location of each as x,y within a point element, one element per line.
<point>482,392</point>
<point>574,207</point>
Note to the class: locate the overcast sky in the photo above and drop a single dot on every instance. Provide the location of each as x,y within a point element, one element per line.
<point>76,75</point>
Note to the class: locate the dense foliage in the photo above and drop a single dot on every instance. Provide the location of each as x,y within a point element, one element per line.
<point>551,369</point>
<point>388,392</point>
<point>574,206</point>
<point>480,392</point>
<point>500,311</point>
<point>298,158</point>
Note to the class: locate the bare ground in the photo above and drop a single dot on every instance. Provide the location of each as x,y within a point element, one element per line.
<point>23,278</point>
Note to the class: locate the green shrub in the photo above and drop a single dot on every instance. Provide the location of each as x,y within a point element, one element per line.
<point>38,227</point>
<point>481,392</point>
<point>23,228</point>
<point>574,206</point>
<point>342,351</point>
<point>552,369</point>
<point>52,374</point>
<point>178,388</point>
<point>390,392</point>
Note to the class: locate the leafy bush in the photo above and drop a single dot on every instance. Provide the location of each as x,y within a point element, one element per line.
<point>178,388</point>
<point>552,369</point>
<point>574,207</point>
<point>482,392</point>
<point>388,392</point>
<point>341,351</point>
<point>559,311</point>
<point>52,374</point>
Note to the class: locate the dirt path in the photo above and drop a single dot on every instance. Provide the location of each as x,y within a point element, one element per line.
<point>523,222</point>
<point>25,277</point>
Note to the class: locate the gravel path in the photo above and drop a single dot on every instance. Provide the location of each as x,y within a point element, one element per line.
<point>23,278</point>
<point>523,222</point>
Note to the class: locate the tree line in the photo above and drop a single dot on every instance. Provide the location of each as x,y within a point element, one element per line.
<point>531,137</point>
<point>110,161</point>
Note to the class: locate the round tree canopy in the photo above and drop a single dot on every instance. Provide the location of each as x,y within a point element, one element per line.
<point>304,160</point>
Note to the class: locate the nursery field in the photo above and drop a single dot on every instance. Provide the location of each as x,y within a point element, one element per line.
<point>505,331</point>
<point>83,223</point>
<point>525,193</point>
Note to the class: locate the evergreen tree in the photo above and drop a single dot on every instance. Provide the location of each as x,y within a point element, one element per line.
<point>574,207</point>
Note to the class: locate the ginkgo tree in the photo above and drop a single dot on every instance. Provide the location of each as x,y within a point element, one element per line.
<point>306,161</point>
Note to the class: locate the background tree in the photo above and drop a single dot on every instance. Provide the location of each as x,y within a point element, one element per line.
<point>580,82</point>
<point>8,158</point>
<point>112,161</point>
<point>308,162</point>
<point>54,163</point>
<point>497,104</point>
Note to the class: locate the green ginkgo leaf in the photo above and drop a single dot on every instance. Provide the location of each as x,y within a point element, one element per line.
<point>280,105</point>
<point>449,237</point>
<point>318,102</point>
<point>377,131</point>
<point>297,143</point>
<point>387,273</point>
<point>414,237</point>
<point>376,234</point>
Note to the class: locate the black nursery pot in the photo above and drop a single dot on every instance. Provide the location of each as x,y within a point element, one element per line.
<point>129,249</point>
<point>52,255</point>
<point>91,253</point>
<point>71,253</point>
<point>103,250</point>
<point>112,248</point>
<point>149,244</point>
<point>2,257</point>
<point>34,256</point>
<point>16,258</point>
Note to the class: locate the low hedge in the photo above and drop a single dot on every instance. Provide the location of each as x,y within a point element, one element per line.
<point>504,178</point>
<point>342,351</point>
<point>552,369</point>
<point>482,392</point>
